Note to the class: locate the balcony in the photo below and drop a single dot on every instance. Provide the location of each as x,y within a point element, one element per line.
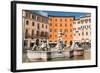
<point>39,36</point>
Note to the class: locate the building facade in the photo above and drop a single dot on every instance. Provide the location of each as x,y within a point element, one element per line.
<point>61,24</point>
<point>77,36</point>
<point>82,29</point>
<point>86,28</point>
<point>35,28</point>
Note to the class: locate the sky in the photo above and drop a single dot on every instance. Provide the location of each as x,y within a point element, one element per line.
<point>56,13</point>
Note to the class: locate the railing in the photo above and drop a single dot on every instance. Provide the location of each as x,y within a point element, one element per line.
<point>38,36</point>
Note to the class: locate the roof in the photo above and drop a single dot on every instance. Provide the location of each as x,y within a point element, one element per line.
<point>87,15</point>
<point>60,16</point>
<point>37,13</point>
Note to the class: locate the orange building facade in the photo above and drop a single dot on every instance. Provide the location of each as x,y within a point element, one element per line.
<point>63,24</point>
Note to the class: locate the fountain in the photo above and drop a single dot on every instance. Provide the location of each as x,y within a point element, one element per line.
<point>59,41</point>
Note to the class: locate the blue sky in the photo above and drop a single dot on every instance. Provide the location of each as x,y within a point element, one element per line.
<point>76,14</point>
<point>56,13</point>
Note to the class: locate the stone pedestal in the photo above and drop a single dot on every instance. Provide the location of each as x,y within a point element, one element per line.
<point>78,52</point>
<point>48,56</point>
<point>68,53</point>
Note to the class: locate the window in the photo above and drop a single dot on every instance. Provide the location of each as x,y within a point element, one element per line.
<point>50,41</point>
<point>65,24</point>
<point>50,24</point>
<point>74,28</point>
<point>65,35</point>
<point>50,30</point>
<point>42,26</point>
<point>50,35</point>
<point>33,17</point>
<point>67,30</point>
<point>27,14</point>
<point>66,41</point>
<point>82,21</point>
<point>55,24</point>
<point>55,35</point>
<point>82,27</point>
<point>70,19</point>
<point>27,22</point>
<point>90,20</point>
<point>45,20</point>
<point>42,19</point>
<point>86,20</point>
<point>42,34</point>
<point>85,27</point>
<point>89,26</point>
<point>38,27</point>
<point>74,22</point>
<point>50,19</point>
<point>79,28</point>
<point>82,33</point>
<point>46,34</point>
<point>60,19</point>
<point>32,34</point>
<point>86,33</point>
<point>38,18</point>
<point>79,34</point>
<point>74,34</point>
<point>60,24</point>
<point>37,33</point>
<point>55,30</point>
<point>55,41</point>
<point>32,23</point>
<point>25,42</point>
<point>65,19</point>
<point>55,19</point>
<point>46,26</point>
<point>70,30</point>
<point>26,33</point>
<point>70,24</point>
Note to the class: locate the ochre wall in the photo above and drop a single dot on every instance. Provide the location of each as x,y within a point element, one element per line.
<point>67,23</point>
